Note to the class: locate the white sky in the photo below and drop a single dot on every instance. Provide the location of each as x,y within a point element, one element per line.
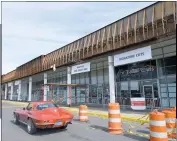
<point>30,29</point>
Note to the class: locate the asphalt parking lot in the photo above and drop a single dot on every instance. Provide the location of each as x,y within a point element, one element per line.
<point>94,130</point>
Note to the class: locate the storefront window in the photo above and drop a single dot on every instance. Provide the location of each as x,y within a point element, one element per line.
<point>172,90</point>
<point>122,73</point>
<point>87,77</point>
<point>106,76</point>
<point>93,77</point>
<point>73,79</point>
<point>170,61</point>
<point>77,78</point>
<point>135,89</point>
<point>137,80</point>
<point>82,78</point>
<point>167,74</point>
<point>133,71</point>
<point>171,70</point>
<point>100,76</point>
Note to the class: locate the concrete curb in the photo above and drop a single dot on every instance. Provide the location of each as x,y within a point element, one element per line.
<point>105,116</point>
<point>91,113</point>
<point>15,102</point>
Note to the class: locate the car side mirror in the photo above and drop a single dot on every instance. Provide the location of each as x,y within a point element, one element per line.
<point>23,108</point>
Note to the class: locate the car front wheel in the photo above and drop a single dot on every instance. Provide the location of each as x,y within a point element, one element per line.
<point>16,121</point>
<point>64,127</point>
<point>31,129</point>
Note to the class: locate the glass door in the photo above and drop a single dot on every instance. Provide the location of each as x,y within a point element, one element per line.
<point>93,94</point>
<point>100,94</point>
<point>149,96</point>
<point>125,94</point>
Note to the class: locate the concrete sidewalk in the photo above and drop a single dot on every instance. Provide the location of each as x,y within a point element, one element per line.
<point>103,113</point>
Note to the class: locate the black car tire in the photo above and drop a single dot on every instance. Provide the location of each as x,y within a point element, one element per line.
<point>31,128</point>
<point>16,120</point>
<point>64,127</point>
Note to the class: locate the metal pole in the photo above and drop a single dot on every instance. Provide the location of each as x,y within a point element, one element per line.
<point>111,79</point>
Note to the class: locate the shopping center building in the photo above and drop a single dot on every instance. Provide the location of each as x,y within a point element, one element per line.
<point>131,61</point>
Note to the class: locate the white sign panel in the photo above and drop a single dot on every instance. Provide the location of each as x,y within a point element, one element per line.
<point>81,68</point>
<point>138,103</point>
<point>136,55</point>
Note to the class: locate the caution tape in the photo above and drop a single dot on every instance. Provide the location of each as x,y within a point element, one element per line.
<point>142,123</point>
<point>129,131</point>
<point>137,134</point>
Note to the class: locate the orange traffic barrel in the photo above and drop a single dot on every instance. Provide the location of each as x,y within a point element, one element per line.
<point>115,126</point>
<point>170,117</point>
<point>83,113</point>
<point>158,131</point>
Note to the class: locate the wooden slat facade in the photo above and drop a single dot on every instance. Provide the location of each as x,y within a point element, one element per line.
<point>153,21</point>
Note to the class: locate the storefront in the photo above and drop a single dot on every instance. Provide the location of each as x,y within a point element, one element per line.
<point>143,82</point>
<point>145,78</point>
<point>94,75</point>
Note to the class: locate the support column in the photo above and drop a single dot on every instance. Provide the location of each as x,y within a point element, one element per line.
<point>69,91</point>
<point>5,92</point>
<point>19,90</point>
<point>30,89</point>
<point>12,90</point>
<point>111,79</point>
<point>45,90</point>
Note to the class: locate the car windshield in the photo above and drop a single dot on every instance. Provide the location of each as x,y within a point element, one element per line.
<point>46,105</point>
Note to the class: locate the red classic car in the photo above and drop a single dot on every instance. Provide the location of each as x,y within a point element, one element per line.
<point>42,115</point>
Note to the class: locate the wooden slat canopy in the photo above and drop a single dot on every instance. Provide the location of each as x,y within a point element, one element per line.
<point>149,23</point>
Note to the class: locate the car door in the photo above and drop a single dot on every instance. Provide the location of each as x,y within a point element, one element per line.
<point>26,112</point>
<point>22,114</point>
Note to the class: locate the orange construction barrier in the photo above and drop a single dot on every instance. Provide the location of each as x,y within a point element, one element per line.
<point>115,126</point>
<point>83,113</point>
<point>158,131</point>
<point>170,117</point>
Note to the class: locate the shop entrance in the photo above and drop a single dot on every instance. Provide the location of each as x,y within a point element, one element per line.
<point>128,91</point>
<point>99,94</point>
<point>149,95</point>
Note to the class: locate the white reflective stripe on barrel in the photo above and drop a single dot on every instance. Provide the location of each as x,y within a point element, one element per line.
<point>114,111</point>
<point>82,111</point>
<point>114,120</point>
<point>158,135</point>
<point>157,123</point>
<point>171,130</point>
<point>83,117</point>
<point>170,120</point>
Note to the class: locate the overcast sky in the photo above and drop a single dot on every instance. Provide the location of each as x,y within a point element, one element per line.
<point>30,29</point>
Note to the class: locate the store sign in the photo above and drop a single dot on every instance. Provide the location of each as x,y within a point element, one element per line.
<point>133,56</point>
<point>147,68</point>
<point>138,103</point>
<point>81,68</point>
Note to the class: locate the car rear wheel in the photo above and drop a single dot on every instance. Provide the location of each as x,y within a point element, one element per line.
<point>31,129</point>
<point>16,121</point>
